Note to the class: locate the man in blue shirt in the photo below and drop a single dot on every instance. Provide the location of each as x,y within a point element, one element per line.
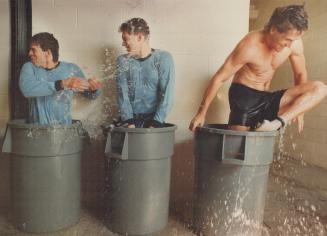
<point>50,84</point>
<point>145,78</point>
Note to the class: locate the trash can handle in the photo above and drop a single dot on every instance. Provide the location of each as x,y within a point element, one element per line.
<point>240,157</point>
<point>82,132</point>
<point>123,155</point>
<point>6,144</point>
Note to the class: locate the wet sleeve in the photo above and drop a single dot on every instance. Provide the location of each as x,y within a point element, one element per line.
<point>33,87</point>
<point>77,72</point>
<point>92,94</point>
<point>124,104</point>
<point>166,72</point>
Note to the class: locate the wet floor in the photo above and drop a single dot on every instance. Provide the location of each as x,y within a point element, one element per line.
<point>90,224</point>
<point>296,204</point>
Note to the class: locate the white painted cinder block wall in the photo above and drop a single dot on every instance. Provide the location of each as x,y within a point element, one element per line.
<point>311,145</point>
<point>199,34</point>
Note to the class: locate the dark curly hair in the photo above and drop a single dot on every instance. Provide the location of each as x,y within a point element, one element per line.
<point>287,18</point>
<point>134,26</point>
<point>47,42</point>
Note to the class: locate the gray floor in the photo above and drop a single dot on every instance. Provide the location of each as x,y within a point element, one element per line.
<point>296,204</point>
<point>89,225</point>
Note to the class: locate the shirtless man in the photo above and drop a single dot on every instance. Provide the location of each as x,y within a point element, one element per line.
<point>253,63</point>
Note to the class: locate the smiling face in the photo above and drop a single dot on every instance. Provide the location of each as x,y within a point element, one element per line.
<point>37,55</point>
<point>133,43</point>
<point>280,40</point>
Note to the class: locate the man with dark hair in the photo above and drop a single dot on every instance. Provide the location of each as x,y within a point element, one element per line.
<point>49,84</point>
<point>253,63</point>
<point>288,18</point>
<point>46,42</point>
<point>145,78</point>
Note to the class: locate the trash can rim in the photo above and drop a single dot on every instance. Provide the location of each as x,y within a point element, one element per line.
<point>222,129</point>
<point>21,123</point>
<point>169,127</point>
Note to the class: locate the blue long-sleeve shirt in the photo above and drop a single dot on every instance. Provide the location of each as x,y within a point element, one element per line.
<point>46,104</point>
<point>146,85</point>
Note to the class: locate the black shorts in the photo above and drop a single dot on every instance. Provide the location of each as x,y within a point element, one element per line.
<point>250,106</point>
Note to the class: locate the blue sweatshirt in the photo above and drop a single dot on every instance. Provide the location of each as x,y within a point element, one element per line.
<point>146,85</point>
<point>47,106</point>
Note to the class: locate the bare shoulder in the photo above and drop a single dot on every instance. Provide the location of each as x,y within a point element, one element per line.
<point>249,44</point>
<point>249,40</point>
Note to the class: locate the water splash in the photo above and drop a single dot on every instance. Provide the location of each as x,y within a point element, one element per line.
<point>106,108</point>
<point>299,212</point>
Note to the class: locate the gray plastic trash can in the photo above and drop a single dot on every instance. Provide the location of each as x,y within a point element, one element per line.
<point>231,180</point>
<point>45,174</point>
<point>138,176</point>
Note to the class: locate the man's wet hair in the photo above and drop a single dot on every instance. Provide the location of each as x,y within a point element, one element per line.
<point>135,26</point>
<point>287,18</point>
<point>47,41</point>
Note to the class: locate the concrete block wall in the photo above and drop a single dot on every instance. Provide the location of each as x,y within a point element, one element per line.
<point>311,145</point>
<point>199,34</point>
<point>195,33</point>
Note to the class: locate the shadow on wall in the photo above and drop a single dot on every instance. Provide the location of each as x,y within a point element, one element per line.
<point>93,174</point>
<point>95,113</point>
<point>182,181</point>
<point>218,112</point>
<point>4,178</point>
<point>93,160</point>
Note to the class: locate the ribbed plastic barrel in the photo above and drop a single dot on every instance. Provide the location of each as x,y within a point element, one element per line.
<point>138,179</point>
<point>45,175</point>
<point>232,170</point>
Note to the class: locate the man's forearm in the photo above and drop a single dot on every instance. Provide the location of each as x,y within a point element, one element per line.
<point>33,88</point>
<point>301,76</point>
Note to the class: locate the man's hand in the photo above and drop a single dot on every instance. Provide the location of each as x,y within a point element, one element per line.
<point>131,126</point>
<point>94,84</point>
<point>198,120</point>
<point>300,122</point>
<point>75,84</point>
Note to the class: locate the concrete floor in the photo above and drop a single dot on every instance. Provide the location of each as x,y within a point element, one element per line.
<point>296,204</point>
<point>89,225</point>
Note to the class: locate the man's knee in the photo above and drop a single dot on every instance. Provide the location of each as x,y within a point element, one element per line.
<point>319,88</point>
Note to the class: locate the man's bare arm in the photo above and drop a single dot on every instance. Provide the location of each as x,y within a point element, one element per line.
<point>235,61</point>
<point>297,60</point>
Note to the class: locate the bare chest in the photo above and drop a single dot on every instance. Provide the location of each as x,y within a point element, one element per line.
<point>268,62</point>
